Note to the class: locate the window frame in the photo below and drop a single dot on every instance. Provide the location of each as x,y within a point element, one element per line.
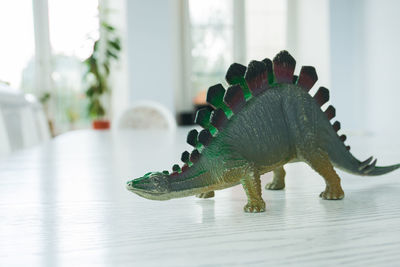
<point>186,94</point>
<point>43,54</point>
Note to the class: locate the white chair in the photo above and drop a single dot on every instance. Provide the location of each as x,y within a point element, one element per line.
<point>4,140</point>
<point>11,103</point>
<point>38,117</point>
<point>146,115</point>
<point>22,120</point>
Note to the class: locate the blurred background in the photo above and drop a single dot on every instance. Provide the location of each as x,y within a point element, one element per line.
<point>85,61</point>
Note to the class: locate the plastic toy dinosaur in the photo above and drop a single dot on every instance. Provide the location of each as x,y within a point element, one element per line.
<point>265,119</point>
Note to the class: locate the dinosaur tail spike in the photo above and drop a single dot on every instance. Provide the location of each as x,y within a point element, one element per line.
<point>205,137</point>
<point>270,72</point>
<point>192,137</point>
<point>218,119</point>
<point>336,126</point>
<point>284,65</point>
<point>256,77</point>
<point>234,98</point>
<point>322,96</point>
<point>330,112</point>
<point>347,162</point>
<point>365,163</point>
<point>381,170</point>
<point>307,78</point>
<point>370,167</point>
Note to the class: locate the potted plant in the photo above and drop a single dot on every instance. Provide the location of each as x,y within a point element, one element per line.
<point>105,50</point>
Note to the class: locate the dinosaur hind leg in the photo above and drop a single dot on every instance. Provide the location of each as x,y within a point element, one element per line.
<point>209,194</point>
<point>278,182</point>
<point>321,164</point>
<point>252,186</point>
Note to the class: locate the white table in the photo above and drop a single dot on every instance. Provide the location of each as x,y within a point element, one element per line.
<point>65,204</point>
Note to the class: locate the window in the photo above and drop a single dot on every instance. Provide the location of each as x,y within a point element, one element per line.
<point>74,27</point>
<point>227,31</point>
<point>17,43</point>
<point>211,49</point>
<point>265,28</point>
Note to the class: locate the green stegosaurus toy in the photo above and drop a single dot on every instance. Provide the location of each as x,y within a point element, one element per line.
<point>265,119</point>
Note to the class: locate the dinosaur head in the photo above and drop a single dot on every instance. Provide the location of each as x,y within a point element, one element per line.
<point>153,185</point>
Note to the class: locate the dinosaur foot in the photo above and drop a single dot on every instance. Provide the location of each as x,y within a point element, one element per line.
<point>332,194</point>
<point>255,206</point>
<point>206,195</point>
<point>275,186</point>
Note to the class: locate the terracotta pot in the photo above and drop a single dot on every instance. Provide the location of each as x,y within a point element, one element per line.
<point>101,124</point>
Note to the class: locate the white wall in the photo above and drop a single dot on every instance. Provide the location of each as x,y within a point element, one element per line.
<point>352,44</point>
<point>381,63</point>
<point>347,58</point>
<point>364,54</point>
<point>308,36</point>
<point>154,50</point>
<point>119,70</point>
<point>266,25</point>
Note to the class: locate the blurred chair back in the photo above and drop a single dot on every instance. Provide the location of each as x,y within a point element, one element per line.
<point>11,104</point>
<point>4,141</point>
<point>146,115</point>
<point>39,119</point>
<point>21,121</point>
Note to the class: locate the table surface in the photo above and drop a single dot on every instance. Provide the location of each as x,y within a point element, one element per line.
<point>64,203</point>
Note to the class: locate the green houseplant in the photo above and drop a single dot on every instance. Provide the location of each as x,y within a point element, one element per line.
<point>105,50</point>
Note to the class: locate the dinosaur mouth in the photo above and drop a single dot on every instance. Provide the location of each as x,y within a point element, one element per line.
<point>147,194</point>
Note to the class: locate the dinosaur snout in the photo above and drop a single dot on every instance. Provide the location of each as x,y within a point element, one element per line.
<point>151,185</point>
<point>138,184</point>
<point>129,185</point>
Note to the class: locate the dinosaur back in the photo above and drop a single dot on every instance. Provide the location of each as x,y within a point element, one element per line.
<point>244,84</point>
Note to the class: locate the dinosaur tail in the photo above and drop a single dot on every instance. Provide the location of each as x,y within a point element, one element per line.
<point>365,168</point>
<point>342,158</point>
<point>383,170</point>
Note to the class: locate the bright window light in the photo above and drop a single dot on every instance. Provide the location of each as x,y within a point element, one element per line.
<point>211,29</point>
<point>17,40</point>
<point>265,28</point>
<point>74,25</point>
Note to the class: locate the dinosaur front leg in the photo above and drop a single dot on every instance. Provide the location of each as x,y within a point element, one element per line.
<point>209,194</point>
<point>252,186</point>
<point>278,182</point>
<point>321,164</point>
